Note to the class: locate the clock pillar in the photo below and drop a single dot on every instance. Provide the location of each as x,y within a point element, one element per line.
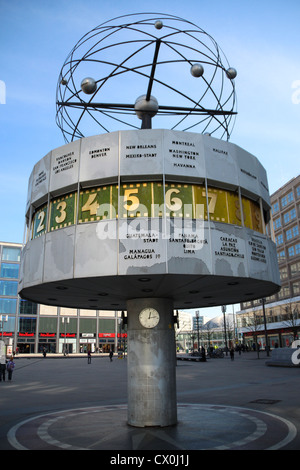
<point>151,365</point>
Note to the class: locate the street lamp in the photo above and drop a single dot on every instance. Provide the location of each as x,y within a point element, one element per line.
<point>224,311</point>
<point>265,324</point>
<point>197,317</point>
<point>3,319</point>
<point>65,323</point>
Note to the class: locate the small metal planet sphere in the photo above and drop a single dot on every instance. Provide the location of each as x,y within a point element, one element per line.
<point>88,85</point>
<point>143,106</point>
<point>158,24</point>
<point>231,73</point>
<point>197,70</point>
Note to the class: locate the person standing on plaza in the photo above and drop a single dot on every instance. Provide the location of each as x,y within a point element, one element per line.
<point>232,354</point>
<point>89,357</point>
<point>111,355</point>
<point>2,371</point>
<point>10,367</point>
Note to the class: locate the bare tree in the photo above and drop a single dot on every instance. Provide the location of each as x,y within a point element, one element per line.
<point>207,333</point>
<point>291,317</point>
<point>253,326</point>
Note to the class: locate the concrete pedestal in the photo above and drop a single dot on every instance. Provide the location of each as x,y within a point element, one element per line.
<point>151,366</point>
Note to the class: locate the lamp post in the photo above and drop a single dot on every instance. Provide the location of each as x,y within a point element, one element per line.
<point>65,323</point>
<point>197,317</point>
<point>265,324</point>
<point>3,319</point>
<point>224,311</point>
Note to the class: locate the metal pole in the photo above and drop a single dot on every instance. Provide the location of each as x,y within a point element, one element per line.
<point>197,316</point>
<point>265,324</point>
<point>65,320</point>
<point>224,311</point>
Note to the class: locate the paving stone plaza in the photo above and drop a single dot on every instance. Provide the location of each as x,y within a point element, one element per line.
<point>64,403</point>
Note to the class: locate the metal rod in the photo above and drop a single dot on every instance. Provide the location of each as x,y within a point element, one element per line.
<point>131,106</point>
<point>153,70</point>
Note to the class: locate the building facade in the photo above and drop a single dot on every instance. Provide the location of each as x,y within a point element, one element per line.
<point>280,312</point>
<point>27,327</point>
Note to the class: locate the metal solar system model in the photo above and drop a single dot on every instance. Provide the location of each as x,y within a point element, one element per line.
<point>148,207</point>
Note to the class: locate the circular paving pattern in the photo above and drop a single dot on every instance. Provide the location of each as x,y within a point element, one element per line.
<point>199,427</point>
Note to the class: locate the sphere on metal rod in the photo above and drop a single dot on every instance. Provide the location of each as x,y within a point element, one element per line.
<point>158,24</point>
<point>142,106</point>
<point>231,73</point>
<point>197,70</point>
<point>88,85</point>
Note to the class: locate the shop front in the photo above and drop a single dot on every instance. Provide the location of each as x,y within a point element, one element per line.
<point>47,343</point>
<point>67,343</point>
<point>25,343</point>
<point>6,338</point>
<point>111,341</point>
<point>107,342</point>
<point>87,342</point>
<point>281,337</point>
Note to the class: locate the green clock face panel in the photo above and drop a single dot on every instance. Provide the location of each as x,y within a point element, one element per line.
<point>147,199</point>
<point>98,204</point>
<point>39,221</point>
<point>62,212</point>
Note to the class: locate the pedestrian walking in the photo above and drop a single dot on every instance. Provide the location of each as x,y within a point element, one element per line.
<point>232,354</point>
<point>2,371</point>
<point>10,368</point>
<point>89,357</point>
<point>111,355</point>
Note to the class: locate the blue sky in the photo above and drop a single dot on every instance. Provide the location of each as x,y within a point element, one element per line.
<point>260,39</point>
